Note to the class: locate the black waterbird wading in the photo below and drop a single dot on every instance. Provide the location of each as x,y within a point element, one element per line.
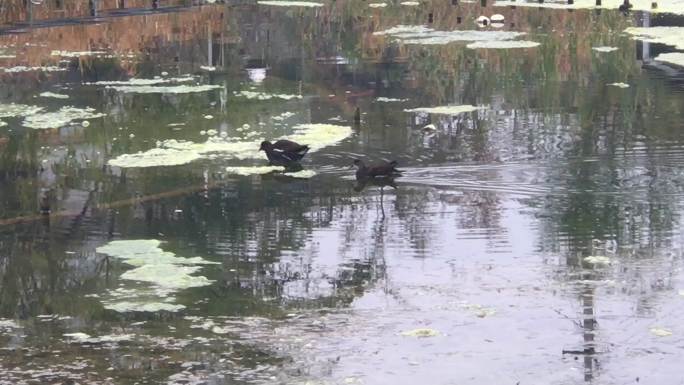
<point>380,169</point>
<point>284,152</point>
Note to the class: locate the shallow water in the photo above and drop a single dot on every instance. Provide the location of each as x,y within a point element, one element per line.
<point>533,238</point>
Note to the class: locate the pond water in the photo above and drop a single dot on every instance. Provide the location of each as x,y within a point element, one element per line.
<point>534,237</point>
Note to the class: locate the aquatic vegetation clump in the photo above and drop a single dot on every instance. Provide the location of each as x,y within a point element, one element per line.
<point>663,6</point>
<point>74,54</point>
<point>504,44</point>
<point>421,35</point>
<point>660,332</point>
<point>605,49</point>
<point>676,58</point>
<point>301,174</point>
<point>446,110</point>
<point>31,69</point>
<point>13,110</point>
<point>179,89</point>
<point>319,135</point>
<point>672,36</point>
<point>142,82</point>
<point>285,3</point>
<point>420,333</point>
<point>49,94</point>
<point>619,85</point>
<point>252,170</point>
<point>265,96</point>
<point>162,270</point>
<point>60,118</point>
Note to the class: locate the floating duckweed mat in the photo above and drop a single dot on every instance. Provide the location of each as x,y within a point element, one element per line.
<point>179,89</point>
<point>672,36</point>
<point>676,58</point>
<point>604,49</point>
<point>265,96</point>
<point>49,94</point>
<point>13,110</point>
<point>31,69</point>
<point>445,110</point>
<point>176,152</point>
<point>60,118</point>
<point>162,271</point>
<point>290,3</point>
<point>663,6</point>
<point>505,44</point>
<point>143,82</point>
<point>421,35</point>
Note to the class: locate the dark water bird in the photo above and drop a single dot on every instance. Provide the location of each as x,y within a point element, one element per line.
<point>284,152</point>
<point>380,169</point>
<point>361,184</point>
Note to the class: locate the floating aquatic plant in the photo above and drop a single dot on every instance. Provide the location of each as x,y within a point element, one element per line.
<point>445,110</point>
<point>284,3</point>
<point>59,118</point>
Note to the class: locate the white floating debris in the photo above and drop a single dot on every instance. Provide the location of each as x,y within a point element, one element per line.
<point>420,333</point>
<point>73,54</point>
<point>604,49</point>
<point>31,69</point>
<point>620,85</point>
<point>504,44</point>
<point>208,68</point>
<point>142,82</point>
<point>597,260</point>
<point>410,3</point>
<point>60,118</point>
<point>49,94</point>
<point>377,5</point>
<point>85,123</point>
<point>446,110</point>
<point>676,58</point>
<point>208,117</point>
<point>660,332</point>
<point>497,18</point>
<point>254,170</point>
<point>672,36</point>
<point>265,96</point>
<point>302,174</point>
<point>383,99</point>
<point>284,3</point>
<point>421,35</point>
<point>482,21</point>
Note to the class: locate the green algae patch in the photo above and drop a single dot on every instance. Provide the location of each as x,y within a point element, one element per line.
<point>605,49</point>
<point>660,332</point>
<point>421,35</point>
<point>60,118</point>
<point>420,333</point>
<point>504,44</point>
<point>319,135</point>
<point>13,110</point>
<point>155,157</point>
<point>676,58</point>
<point>672,36</point>
<point>254,170</point>
<point>19,69</point>
<point>265,96</point>
<point>619,85</point>
<point>302,174</point>
<point>134,82</point>
<point>445,110</point>
<point>284,3</point>
<point>161,273</point>
<point>663,6</point>
<point>54,95</point>
<point>597,260</point>
<point>178,89</point>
